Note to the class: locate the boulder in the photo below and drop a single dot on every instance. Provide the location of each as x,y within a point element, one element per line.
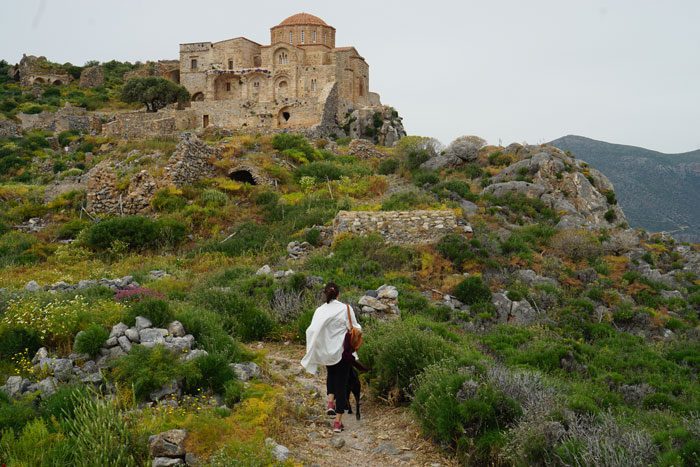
<point>133,335</point>
<point>264,270</point>
<point>372,303</point>
<point>527,189</point>
<point>281,453</point>
<point>112,342</point>
<point>180,344</point>
<point>168,444</point>
<point>170,389</point>
<point>531,278</point>
<point>246,371</point>
<point>196,353</point>
<point>176,329</point>
<point>32,286</point>
<point>388,292</point>
<point>41,354</point>
<point>143,323</point>
<point>166,461</point>
<point>125,344</point>
<point>118,330</point>
<point>15,386</point>
<point>503,306</point>
<point>151,337</point>
<point>522,313</point>
<point>47,386</point>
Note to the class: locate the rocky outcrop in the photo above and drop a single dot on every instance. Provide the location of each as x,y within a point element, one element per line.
<point>400,227</point>
<point>92,77</point>
<point>514,312</point>
<point>379,124</point>
<point>381,304</point>
<point>9,129</point>
<point>461,151</point>
<point>168,448</point>
<point>363,149</point>
<point>580,195</point>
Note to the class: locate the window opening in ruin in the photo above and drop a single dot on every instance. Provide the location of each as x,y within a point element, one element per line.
<point>197,96</point>
<point>243,176</point>
<point>256,84</point>
<point>286,116</point>
<point>302,37</point>
<point>313,84</point>
<point>193,64</point>
<point>362,89</point>
<point>205,121</point>
<point>257,61</point>
<point>58,82</point>
<point>228,87</point>
<point>230,64</point>
<point>313,37</point>
<point>291,37</point>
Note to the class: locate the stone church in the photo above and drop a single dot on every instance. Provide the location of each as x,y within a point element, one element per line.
<point>300,80</point>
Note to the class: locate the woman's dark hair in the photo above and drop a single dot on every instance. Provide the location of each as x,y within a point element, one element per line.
<point>331,291</point>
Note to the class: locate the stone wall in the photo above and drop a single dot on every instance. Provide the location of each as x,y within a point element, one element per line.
<point>191,161</point>
<point>92,77</point>
<point>64,119</point>
<point>142,124</point>
<point>103,196</point>
<point>401,227</point>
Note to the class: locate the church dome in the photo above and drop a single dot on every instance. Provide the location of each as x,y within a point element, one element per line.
<point>303,19</point>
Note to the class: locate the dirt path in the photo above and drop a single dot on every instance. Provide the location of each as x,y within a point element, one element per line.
<point>384,436</point>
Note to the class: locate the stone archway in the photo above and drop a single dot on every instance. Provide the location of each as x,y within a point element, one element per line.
<point>197,97</point>
<point>38,80</point>
<point>284,117</point>
<point>243,176</point>
<point>57,82</point>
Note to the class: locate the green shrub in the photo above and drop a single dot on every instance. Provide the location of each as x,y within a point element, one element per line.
<point>320,170</point>
<point>91,340</point>
<point>457,187</point>
<point>296,142</point>
<point>213,373</point>
<point>302,322</point>
<point>166,200</point>
<point>456,248</point>
<point>71,229</point>
<point>207,327</point>
<point>157,311</point>
<point>154,92</point>
<point>15,414</point>
<point>472,290</point>
<point>15,340</point>
<point>424,177</point>
<point>473,170</point>
<point>62,403</point>
<point>610,215</point>
<point>233,392</point>
<point>397,352</point>
<point>414,159</point>
<point>498,158</point>
<point>98,434</point>
<point>241,314</point>
<point>313,236</point>
<point>138,232</point>
<point>147,370</point>
<point>214,198</point>
<point>248,238</point>
<point>388,166</point>
<point>265,198</point>
<point>406,200</point>
<point>17,248</point>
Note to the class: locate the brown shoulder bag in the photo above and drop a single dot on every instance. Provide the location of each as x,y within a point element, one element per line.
<point>355,334</point>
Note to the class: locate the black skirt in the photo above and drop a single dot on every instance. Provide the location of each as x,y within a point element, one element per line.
<point>337,384</point>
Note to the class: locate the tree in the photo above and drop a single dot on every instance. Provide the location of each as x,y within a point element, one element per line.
<point>154,93</point>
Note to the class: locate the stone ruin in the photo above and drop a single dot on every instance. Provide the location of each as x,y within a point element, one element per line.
<point>33,70</point>
<point>400,227</point>
<point>104,197</point>
<point>92,77</point>
<point>192,160</point>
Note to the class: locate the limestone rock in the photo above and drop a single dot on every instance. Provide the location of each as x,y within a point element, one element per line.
<point>143,323</point>
<point>281,453</point>
<point>133,335</point>
<point>170,389</point>
<point>373,303</point>
<point>531,278</point>
<point>151,337</point>
<point>176,329</point>
<point>47,386</point>
<point>264,270</point>
<point>387,291</point>
<point>529,190</point>
<point>168,444</point>
<point>246,371</point>
<point>166,461</point>
<point>118,330</point>
<point>15,386</point>
<point>32,286</point>
<point>196,353</point>
<point>363,149</point>
<point>337,442</point>
<point>125,344</point>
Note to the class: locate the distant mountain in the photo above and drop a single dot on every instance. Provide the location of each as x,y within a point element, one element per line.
<point>657,191</point>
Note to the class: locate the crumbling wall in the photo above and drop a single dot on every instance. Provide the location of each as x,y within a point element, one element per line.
<point>400,227</point>
<point>103,196</point>
<point>64,119</point>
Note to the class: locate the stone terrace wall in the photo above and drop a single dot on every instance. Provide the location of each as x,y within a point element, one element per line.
<point>402,227</point>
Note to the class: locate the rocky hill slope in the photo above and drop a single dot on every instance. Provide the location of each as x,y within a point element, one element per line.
<point>154,297</point>
<point>657,191</point>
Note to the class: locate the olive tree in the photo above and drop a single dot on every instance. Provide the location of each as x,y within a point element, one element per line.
<point>154,93</point>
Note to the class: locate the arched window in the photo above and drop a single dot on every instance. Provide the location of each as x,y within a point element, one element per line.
<point>230,64</point>
<point>302,37</point>
<point>313,84</point>
<point>291,37</point>
<point>313,37</point>
<point>282,57</point>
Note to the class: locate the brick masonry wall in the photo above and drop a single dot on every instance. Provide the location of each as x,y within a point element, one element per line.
<point>400,227</point>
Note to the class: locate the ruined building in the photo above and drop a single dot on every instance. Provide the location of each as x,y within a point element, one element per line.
<point>300,80</point>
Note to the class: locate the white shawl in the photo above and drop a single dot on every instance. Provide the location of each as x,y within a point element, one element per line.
<point>325,335</point>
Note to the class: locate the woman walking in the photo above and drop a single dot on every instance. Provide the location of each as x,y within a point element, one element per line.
<point>328,344</point>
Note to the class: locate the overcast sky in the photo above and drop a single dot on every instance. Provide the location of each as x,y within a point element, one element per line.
<point>623,71</point>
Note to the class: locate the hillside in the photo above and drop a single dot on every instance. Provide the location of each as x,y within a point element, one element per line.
<point>657,191</point>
